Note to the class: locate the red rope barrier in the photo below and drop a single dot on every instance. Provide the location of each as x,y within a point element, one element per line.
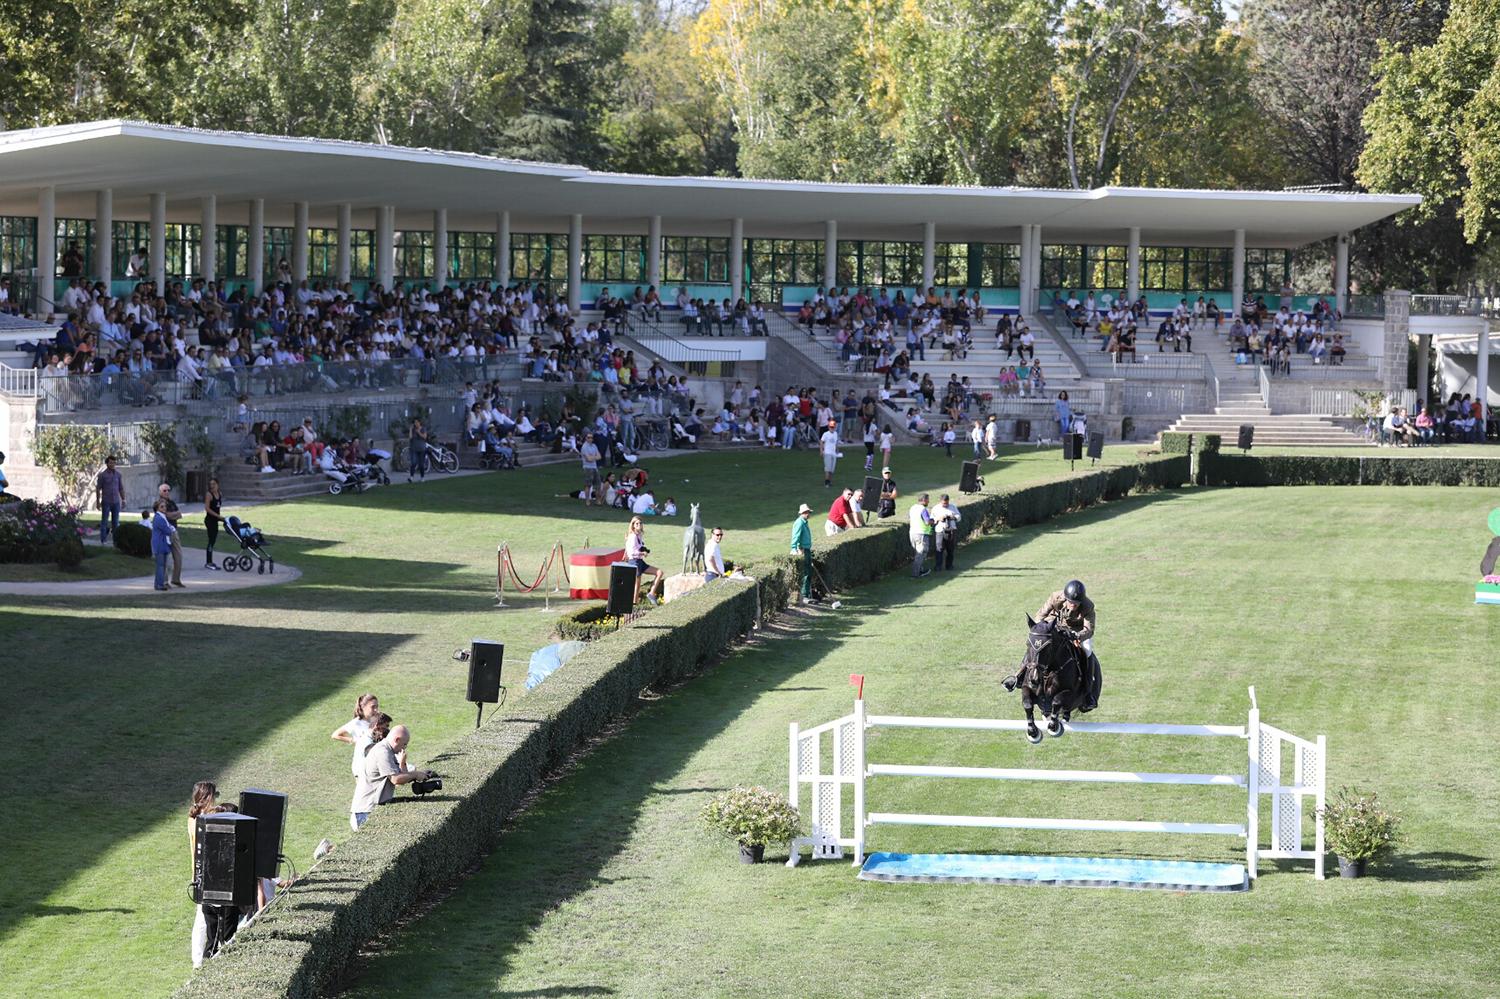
<point>508,564</point>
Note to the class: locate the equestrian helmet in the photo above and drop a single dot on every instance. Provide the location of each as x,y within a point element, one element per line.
<point>1074,590</point>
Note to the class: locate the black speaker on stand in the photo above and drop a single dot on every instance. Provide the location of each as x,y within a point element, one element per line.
<point>268,808</point>
<point>224,859</point>
<point>871,504</point>
<point>1247,436</point>
<point>485,659</point>
<point>621,589</point>
<point>1072,447</point>
<point>969,480</point>
<point>1096,446</point>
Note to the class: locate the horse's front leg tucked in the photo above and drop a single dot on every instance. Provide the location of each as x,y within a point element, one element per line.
<point>1033,734</point>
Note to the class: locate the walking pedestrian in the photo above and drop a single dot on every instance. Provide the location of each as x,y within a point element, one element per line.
<point>213,508</point>
<point>416,446</point>
<point>830,447</point>
<point>109,494</point>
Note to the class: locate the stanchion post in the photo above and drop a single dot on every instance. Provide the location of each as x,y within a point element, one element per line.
<point>501,553</point>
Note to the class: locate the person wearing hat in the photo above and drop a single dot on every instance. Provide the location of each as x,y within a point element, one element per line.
<point>802,548</point>
<point>922,530</point>
<point>830,446</point>
<point>945,518</point>
<point>888,493</point>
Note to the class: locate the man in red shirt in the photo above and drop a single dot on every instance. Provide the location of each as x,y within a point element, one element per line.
<point>840,515</point>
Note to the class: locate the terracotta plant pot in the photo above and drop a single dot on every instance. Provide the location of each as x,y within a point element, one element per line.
<point>1352,868</point>
<point>752,854</point>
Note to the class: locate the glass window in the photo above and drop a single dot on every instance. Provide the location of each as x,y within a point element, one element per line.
<point>1000,265</point>
<point>1162,269</point>
<point>618,259</point>
<point>1208,268</point>
<point>950,265</point>
<point>322,253</point>
<point>129,237</point>
<point>278,248</point>
<point>414,255</point>
<point>80,231</point>
<point>1062,268</point>
<point>182,259</point>
<point>776,263</point>
<point>471,256</point>
<point>695,260</point>
<point>1267,270</point>
<point>232,251</point>
<point>17,244</point>
<point>1106,268</point>
<point>362,254</point>
<point>540,258</point>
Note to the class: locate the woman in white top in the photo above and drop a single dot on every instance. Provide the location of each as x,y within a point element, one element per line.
<point>357,731</point>
<point>635,553</point>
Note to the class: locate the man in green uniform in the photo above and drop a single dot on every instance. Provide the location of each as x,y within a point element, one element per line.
<point>802,546</point>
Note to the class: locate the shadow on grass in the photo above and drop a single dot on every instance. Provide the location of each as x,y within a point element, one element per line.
<point>122,715</point>
<point>1433,866</point>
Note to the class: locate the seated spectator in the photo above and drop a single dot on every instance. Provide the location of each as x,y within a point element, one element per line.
<point>713,557</point>
<point>1426,428</point>
<point>1336,351</point>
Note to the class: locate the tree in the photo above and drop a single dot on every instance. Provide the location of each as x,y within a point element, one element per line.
<point>445,73</point>
<point>74,454</point>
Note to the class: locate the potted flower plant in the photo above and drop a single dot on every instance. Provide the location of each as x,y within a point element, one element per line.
<point>754,817</point>
<point>1358,829</point>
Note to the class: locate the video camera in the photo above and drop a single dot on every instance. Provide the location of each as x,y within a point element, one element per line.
<point>421,787</point>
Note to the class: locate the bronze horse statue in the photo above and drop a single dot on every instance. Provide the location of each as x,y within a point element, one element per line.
<point>1057,675</point>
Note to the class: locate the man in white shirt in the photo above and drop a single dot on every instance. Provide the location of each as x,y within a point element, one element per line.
<point>945,519</point>
<point>830,447</point>
<point>713,558</point>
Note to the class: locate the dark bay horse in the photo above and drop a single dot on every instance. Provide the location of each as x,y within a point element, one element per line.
<point>1055,674</point>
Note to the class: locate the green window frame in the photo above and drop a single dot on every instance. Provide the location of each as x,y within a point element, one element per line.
<point>1163,269</point>
<point>127,238</point>
<point>278,248</point>
<point>1208,269</point>
<point>539,258</point>
<point>414,251</point>
<point>182,242</point>
<point>695,260</point>
<point>232,252</point>
<point>17,244</point>
<point>775,263</point>
<point>362,254</point>
<point>615,259</point>
<point>1062,267</point>
<point>999,266</point>
<point>1267,270</point>
<point>471,256</point>
<point>80,231</point>
<point>1106,267</point>
<point>950,265</point>
<point>322,253</point>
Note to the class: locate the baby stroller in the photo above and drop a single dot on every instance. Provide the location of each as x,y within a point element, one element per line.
<point>252,542</point>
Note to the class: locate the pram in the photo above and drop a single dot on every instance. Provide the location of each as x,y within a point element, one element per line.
<point>359,473</point>
<point>252,542</point>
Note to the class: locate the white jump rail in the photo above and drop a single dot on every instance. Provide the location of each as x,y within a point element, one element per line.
<point>1263,777</point>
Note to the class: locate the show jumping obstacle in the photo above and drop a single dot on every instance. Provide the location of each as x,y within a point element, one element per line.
<point>1263,777</point>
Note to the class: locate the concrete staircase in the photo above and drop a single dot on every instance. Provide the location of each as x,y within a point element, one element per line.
<point>1240,403</point>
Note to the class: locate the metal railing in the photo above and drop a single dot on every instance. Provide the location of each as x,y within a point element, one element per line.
<point>1160,399</point>
<point>79,393</point>
<point>1349,402</point>
<point>1365,307</point>
<point>1451,305</point>
<point>669,348</point>
<point>1265,386</point>
<point>20,382</point>
<point>1146,364</point>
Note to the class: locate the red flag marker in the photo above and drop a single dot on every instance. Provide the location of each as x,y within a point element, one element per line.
<point>857,681</point>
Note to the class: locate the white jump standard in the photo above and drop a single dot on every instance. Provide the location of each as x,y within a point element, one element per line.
<point>1263,777</point>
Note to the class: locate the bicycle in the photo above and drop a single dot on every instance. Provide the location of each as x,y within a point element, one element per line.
<point>441,458</point>
<point>653,436</point>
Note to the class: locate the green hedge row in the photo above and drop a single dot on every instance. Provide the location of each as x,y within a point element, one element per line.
<point>1339,470</point>
<point>305,941</point>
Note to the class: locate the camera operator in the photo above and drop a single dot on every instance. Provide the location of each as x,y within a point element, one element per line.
<point>383,770</point>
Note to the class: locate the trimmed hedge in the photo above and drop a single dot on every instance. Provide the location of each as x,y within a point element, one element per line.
<point>304,942</point>
<point>1175,441</point>
<point>133,538</point>
<point>587,623</point>
<point>1341,470</point>
<point>1211,442</point>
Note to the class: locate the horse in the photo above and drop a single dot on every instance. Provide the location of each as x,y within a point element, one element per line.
<point>1055,674</point>
<point>692,543</point>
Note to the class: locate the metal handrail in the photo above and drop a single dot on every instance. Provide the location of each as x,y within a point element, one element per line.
<point>655,340</point>
<point>18,382</point>
<point>1265,386</point>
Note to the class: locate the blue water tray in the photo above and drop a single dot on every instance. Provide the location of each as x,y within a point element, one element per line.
<point>1070,872</point>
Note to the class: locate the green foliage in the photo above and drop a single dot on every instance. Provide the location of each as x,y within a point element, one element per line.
<point>349,422</point>
<point>161,440</point>
<point>1315,470</point>
<point>753,816</point>
<point>587,623</point>
<point>1358,827</point>
<point>1211,444</point>
<point>41,532</point>
<point>203,446</point>
<point>302,944</point>
<point>134,539</point>
<point>74,454</point>
<point>68,552</point>
<point>1175,442</point>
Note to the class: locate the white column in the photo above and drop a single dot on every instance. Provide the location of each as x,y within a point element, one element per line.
<point>385,246</point>
<point>1482,372</point>
<point>575,263</point>
<point>255,257</point>
<point>1034,272</point>
<point>104,235</point>
<point>343,266</point>
<point>1025,276</point>
<point>1341,273</point>
<point>736,260</point>
<point>299,241</point>
<point>208,248</point>
<point>830,254</point>
<point>439,248</point>
<point>1133,265</point>
<point>158,248</point>
<point>502,250</point>
<point>46,250</point>
<point>653,254</point>
<point>929,254</point>
<point>1237,274</point>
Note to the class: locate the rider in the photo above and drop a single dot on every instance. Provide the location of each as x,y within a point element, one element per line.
<point>1073,611</point>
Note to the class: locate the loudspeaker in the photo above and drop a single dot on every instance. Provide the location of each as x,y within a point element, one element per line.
<point>224,862</point>
<point>621,589</point>
<point>1247,435</point>
<point>872,495</point>
<point>1072,447</point>
<point>968,481</point>
<point>1096,445</point>
<point>268,808</point>
<point>485,658</point>
<point>1023,430</point>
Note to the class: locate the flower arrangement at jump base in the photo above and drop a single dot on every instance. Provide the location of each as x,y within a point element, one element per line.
<point>1359,829</point>
<point>753,816</point>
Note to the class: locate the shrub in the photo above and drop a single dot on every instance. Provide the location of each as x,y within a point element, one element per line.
<point>348,422</point>
<point>1211,444</point>
<point>74,453</point>
<point>752,816</point>
<point>587,623</point>
<point>69,552</point>
<point>32,531</point>
<point>161,440</point>
<point>1175,442</point>
<point>1357,827</point>
<point>133,539</point>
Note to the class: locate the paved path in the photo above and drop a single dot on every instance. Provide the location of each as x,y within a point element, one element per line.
<point>195,578</point>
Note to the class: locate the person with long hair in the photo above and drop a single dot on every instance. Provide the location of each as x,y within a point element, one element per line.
<point>377,725</point>
<point>356,732</point>
<point>213,925</point>
<point>635,553</point>
<point>213,508</point>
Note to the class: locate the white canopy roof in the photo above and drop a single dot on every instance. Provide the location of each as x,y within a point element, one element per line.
<point>135,159</point>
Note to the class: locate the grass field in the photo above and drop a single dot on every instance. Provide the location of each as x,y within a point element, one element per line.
<point>120,703</point>
<point>98,563</point>
<point>1351,612</point>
